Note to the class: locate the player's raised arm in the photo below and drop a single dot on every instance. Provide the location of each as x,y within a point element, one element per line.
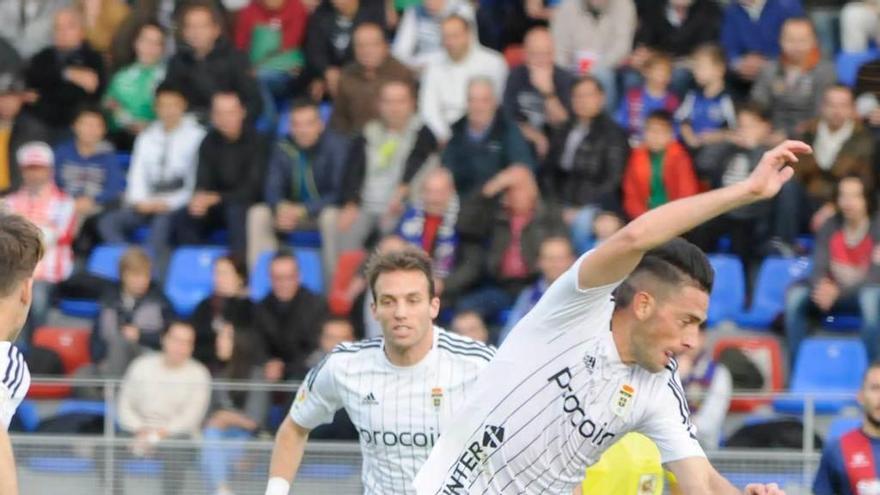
<point>290,445</point>
<point>618,256</point>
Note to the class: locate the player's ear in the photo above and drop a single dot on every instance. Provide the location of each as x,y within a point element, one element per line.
<point>27,292</point>
<point>435,307</point>
<point>643,305</point>
<point>860,397</point>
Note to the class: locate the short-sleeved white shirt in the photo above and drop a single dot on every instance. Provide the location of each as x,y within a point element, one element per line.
<point>15,379</point>
<point>555,397</point>
<point>399,412</point>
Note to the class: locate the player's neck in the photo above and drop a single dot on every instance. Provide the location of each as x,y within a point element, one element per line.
<point>409,356</point>
<point>871,428</point>
<point>621,328</point>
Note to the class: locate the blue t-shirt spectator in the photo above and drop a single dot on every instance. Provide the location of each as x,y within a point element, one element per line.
<point>99,176</point>
<point>741,34</point>
<point>707,113</point>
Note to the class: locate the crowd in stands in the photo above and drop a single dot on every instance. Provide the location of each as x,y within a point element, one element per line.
<point>504,138</point>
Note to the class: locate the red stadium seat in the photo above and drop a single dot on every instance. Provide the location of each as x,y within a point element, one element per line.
<point>766,353</point>
<point>514,55</point>
<point>72,346</point>
<point>346,268</point>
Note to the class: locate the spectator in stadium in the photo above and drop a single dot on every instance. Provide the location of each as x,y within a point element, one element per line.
<point>29,29</point>
<point>674,27</point>
<point>129,101</point>
<point>655,94</point>
<point>659,171</point>
<point>867,91</point>
<point>484,142</point>
<point>418,39</point>
<point>16,128</point>
<point>584,168</point>
<point>304,178</point>
<point>151,411</point>
<point>228,302</point>
<point>429,221</point>
<point>846,272</point>
<point>750,33</point>
<point>471,325</point>
<point>229,177</point>
<point>382,161</point>
<point>793,86</point>
<point>555,255</point>
<point>101,19</point>
<point>272,33</point>
<point>329,40</point>
<point>443,91</point>
<point>707,112</point>
<point>848,462</point>
<point>728,162</point>
<point>288,320</point>
<point>207,62</point>
<point>708,386</point>
<point>233,414</point>
<point>334,331</point>
<point>501,235</point>
<point>594,37</point>
<point>161,177</point>
<point>43,203</point>
<point>65,75</point>
<point>538,92</point>
<point>361,80</point>
<point>859,25</point>
<point>841,146</point>
<point>132,318</point>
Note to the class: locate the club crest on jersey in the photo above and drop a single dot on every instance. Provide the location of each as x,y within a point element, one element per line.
<point>301,395</point>
<point>369,400</point>
<point>623,400</point>
<point>437,396</point>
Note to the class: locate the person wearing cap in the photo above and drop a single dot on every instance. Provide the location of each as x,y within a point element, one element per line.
<point>16,128</point>
<point>43,203</point>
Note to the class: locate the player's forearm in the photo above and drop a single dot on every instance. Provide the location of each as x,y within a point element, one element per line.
<point>290,444</point>
<point>662,224</point>
<point>8,477</point>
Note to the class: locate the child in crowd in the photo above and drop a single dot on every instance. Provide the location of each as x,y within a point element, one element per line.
<point>658,171</point>
<point>638,103</point>
<point>708,111</point>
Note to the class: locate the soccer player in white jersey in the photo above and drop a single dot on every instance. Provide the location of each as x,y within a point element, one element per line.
<point>589,364</point>
<point>400,390</point>
<point>21,248</point>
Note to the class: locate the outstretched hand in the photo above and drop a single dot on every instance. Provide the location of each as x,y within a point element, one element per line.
<point>758,489</point>
<point>773,170</point>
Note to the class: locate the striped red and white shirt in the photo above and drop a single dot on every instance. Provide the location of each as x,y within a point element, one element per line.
<point>53,212</point>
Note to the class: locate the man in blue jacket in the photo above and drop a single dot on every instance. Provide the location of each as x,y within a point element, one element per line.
<point>750,33</point>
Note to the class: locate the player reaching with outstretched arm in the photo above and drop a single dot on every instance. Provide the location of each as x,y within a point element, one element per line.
<point>595,359</point>
<point>400,390</point>
<point>21,248</point>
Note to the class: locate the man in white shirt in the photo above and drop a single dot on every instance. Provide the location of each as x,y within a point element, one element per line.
<point>21,247</point>
<point>400,390</point>
<point>595,359</point>
<point>443,94</point>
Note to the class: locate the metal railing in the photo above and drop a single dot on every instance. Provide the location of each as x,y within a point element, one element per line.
<point>106,464</point>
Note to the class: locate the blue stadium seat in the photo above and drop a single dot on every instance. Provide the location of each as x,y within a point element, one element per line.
<point>774,279</point>
<point>326,110</point>
<point>729,292</point>
<point>304,239</point>
<point>61,465</point>
<point>77,406</point>
<point>103,262</point>
<point>840,322</point>
<point>848,64</point>
<point>148,468</point>
<point>825,367</point>
<point>190,276</point>
<point>26,417</point>
<point>327,471</point>
<point>311,272</point>
<point>841,425</point>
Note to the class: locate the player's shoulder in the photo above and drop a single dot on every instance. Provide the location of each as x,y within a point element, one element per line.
<point>462,348</point>
<point>348,351</point>
<point>13,368</point>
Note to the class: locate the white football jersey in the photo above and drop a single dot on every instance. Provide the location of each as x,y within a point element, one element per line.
<point>555,397</point>
<point>399,412</point>
<point>15,379</point>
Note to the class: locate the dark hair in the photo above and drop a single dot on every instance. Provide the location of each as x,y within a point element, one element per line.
<point>660,116</point>
<point>867,192</point>
<point>369,25</point>
<point>588,79</point>
<point>676,262</point>
<point>245,354</point>
<point>303,103</point>
<point>839,87</point>
<point>238,264</point>
<point>284,254</point>
<point>752,108</point>
<point>228,90</point>
<point>407,259</point>
<point>21,248</point>
<point>216,16</point>
<point>178,322</point>
<point>89,109</point>
<point>873,366</point>
<point>150,23</point>
<point>337,319</point>
<point>712,51</point>
<point>168,86</point>
<point>658,58</point>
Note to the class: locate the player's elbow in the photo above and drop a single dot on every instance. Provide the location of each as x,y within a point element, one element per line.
<point>291,432</point>
<point>632,238</point>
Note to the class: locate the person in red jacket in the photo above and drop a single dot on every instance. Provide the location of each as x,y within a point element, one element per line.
<point>271,32</point>
<point>659,171</point>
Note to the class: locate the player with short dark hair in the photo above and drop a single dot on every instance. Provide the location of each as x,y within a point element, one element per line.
<point>595,359</point>
<point>400,390</point>
<point>21,248</point>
